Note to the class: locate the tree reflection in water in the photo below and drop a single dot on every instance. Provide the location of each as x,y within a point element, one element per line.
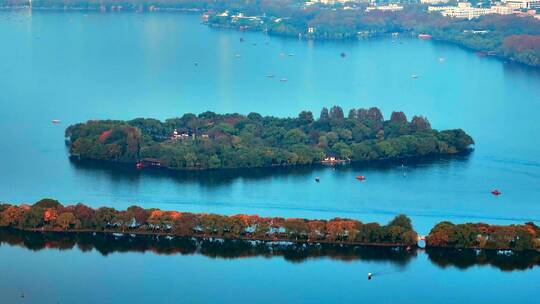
<point>107,243</point>
<point>215,178</point>
<point>465,258</point>
<point>231,249</point>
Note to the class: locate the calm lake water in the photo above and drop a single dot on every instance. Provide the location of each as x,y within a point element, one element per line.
<point>78,66</point>
<point>135,270</point>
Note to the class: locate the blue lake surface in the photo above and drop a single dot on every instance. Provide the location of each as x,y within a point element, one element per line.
<point>76,66</point>
<point>225,273</point>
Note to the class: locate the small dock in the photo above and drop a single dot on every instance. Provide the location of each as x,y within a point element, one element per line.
<point>148,162</point>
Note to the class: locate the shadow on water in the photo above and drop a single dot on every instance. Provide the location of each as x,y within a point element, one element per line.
<point>214,248</point>
<point>215,178</point>
<point>465,258</point>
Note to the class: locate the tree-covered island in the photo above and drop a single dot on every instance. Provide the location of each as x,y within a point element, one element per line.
<point>214,141</point>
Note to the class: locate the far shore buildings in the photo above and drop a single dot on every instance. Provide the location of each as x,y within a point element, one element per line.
<point>522,4</point>
<point>465,10</point>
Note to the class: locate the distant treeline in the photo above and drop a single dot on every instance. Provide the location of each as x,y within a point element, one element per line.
<point>51,215</point>
<point>212,141</point>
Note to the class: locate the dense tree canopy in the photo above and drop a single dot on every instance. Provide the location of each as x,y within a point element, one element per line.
<point>515,237</point>
<point>53,216</point>
<point>210,140</point>
<point>136,219</point>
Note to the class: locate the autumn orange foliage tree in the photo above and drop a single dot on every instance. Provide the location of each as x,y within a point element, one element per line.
<point>50,215</point>
<point>480,235</point>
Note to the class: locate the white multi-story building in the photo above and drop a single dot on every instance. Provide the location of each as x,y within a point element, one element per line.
<point>465,10</point>
<point>328,2</point>
<point>522,4</point>
<point>502,10</point>
<point>432,9</point>
<point>434,1</point>
<point>390,7</point>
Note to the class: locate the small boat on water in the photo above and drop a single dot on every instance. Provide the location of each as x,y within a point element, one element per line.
<point>317,179</point>
<point>270,76</point>
<point>283,80</point>
<point>425,36</point>
<point>291,54</point>
<point>361,178</point>
<point>343,55</point>
<point>414,76</point>
<point>56,121</point>
<point>496,192</point>
<point>441,59</point>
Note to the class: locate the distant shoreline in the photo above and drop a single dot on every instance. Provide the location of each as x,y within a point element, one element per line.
<point>479,50</point>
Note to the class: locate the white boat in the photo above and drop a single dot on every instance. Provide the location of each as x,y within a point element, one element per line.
<point>414,76</point>
<point>56,121</point>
